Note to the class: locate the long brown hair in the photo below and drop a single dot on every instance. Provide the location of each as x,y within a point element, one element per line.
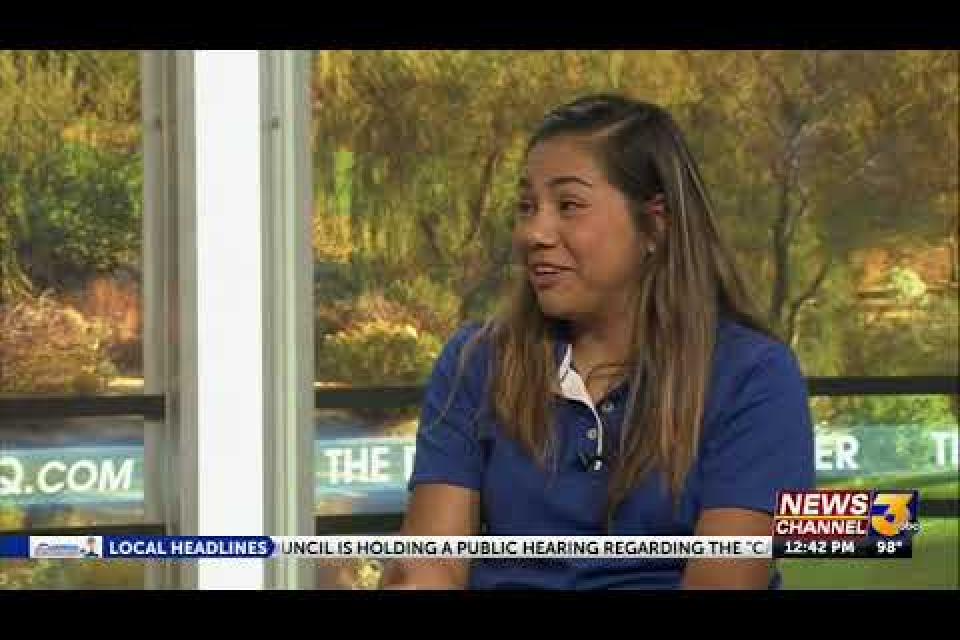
<point>683,289</point>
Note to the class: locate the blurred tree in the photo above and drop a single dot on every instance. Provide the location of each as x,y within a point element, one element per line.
<point>84,209</point>
<point>418,153</point>
<point>832,152</point>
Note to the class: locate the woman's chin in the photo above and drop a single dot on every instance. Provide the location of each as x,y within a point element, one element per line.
<point>556,309</point>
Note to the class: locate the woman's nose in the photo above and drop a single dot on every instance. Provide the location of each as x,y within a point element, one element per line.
<point>539,230</point>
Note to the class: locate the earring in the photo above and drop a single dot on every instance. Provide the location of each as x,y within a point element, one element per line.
<point>651,248</point>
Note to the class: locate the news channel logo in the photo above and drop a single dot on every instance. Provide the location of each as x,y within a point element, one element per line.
<point>66,547</point>
<point>894,513</point>
<point>877,513</point>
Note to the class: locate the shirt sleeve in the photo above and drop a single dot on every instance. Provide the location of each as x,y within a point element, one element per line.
<point>766,442</point>
<point>448,444</point>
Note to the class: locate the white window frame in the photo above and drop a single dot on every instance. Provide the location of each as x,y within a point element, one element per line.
<point>203,132</point>
<point>159,264</point>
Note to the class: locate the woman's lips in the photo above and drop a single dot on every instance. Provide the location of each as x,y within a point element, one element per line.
<point>546,277</point>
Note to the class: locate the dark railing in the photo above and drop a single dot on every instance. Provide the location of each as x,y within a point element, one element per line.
<point>890,386</point>
<point>142,529</point>
<point>46,407</point>
<point>151,407</point>
<point>384,523</point>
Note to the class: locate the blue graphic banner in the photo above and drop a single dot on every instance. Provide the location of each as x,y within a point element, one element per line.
<point>369,474</point>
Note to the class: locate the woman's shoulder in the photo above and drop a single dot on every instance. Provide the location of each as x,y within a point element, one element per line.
<point>462,369</point>
<point>744,353</point>
<point>758,434</point>
<point>472,335</point>
<point>469,330</point>
<point>740,342</point>
<point>470,346</point>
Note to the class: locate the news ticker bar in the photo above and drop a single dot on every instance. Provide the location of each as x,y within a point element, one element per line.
<point>386,547</point>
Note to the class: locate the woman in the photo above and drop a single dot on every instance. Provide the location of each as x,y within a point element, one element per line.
<point>624,388</point>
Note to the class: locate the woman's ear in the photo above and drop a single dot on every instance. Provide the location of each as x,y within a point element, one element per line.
<point>656,209</point>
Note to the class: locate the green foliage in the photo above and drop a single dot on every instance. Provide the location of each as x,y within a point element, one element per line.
<point>85,574</point>
<point>70,187</point>
<point>84,214</point>
<point>935,485</point>
<point>827,328</point>
<point>907,285</point>
<point>10,517</point>
<point>67,573</point>
<point>376,353</point>
<point>33,574</point>
<point>935,564</point>
<point>13,281</point>
<point>911,411</point>
<point>435,306</point>
<point>922,341</point>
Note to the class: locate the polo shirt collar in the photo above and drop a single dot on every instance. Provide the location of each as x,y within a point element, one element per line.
<point>570,384</point>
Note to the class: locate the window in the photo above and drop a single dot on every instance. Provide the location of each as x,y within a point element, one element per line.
<point>71,356</point>
<point>835,179</point>
<point>70,222</point>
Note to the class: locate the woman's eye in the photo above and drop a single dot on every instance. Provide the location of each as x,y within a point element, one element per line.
<point>524,208</point>
<point>569,206</point>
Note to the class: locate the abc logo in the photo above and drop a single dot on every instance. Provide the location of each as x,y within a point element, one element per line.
<point>893,512</point>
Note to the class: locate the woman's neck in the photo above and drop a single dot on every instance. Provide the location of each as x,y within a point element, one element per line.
<point>608,340</point>
<point>601,348</point>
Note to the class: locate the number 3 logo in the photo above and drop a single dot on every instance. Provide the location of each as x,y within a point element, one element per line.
<point>891,511</point>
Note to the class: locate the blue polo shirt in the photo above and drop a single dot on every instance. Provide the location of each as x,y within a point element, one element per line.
<point>757,438</point>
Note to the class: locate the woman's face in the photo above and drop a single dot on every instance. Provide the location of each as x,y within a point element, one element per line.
<point>574,233</point>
